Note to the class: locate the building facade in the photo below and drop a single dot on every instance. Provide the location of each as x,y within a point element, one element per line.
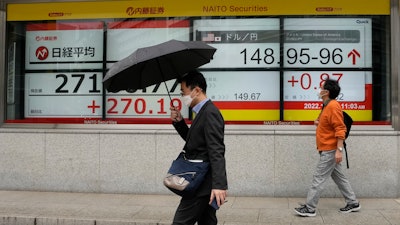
<point>61,130</point>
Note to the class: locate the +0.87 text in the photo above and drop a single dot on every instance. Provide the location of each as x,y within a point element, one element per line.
<point>305,80</point>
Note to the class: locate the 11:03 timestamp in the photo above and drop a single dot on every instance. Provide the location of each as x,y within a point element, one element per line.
<point>344,106</point>
<point>353,106</point>
<point>247,96</point>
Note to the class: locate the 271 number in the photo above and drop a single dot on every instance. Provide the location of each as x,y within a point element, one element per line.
<point>80,77</point>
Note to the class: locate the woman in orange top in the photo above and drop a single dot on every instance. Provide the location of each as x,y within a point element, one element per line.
<point>330,135</point>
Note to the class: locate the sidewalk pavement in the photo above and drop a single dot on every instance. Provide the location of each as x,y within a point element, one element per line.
<point>60,208</point>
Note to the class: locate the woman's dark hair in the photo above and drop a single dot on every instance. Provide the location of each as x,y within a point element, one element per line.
<point>333,87</point>
<point>194,79</point>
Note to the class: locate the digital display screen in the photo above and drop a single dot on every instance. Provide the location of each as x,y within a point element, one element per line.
<point>301,101</point>
<point>264,69</point>
<point>320,44</point>
<point>337,43</point>
<point>153,102</point>
<point>241,43</point>
<point>257,100</point>
<point>57,46</point>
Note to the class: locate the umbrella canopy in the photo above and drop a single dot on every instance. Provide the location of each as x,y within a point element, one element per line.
<point>155,64</point>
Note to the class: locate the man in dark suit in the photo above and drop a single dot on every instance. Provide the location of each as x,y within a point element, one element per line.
<point>204,141</point>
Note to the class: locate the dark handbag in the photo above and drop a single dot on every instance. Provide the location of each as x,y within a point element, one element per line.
<point>185,177</point>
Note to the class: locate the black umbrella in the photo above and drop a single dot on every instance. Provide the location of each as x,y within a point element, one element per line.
<point>155,64</point>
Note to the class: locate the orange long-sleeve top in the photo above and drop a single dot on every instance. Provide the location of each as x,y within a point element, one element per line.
<point>330,127</point>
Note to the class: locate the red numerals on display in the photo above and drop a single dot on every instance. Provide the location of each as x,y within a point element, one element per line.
<point>305,80</point>
<point>139,106</point>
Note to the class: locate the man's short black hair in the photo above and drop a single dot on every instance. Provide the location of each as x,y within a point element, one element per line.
<point>333,87</point>
<point>194,79</point>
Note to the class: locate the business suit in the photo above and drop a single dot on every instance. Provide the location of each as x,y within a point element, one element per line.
<point>204,140</point>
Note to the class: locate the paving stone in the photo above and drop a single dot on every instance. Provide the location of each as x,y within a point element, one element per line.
<point>56,208</point>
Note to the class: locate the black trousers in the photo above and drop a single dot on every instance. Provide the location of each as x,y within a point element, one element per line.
<point>194,210</point>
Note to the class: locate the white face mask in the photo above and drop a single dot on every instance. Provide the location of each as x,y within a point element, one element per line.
<point>319,93</point>
<point>187,99</point>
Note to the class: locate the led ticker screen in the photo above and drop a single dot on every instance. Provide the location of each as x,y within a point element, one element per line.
<point>51,46</point>
<point>79,94</point>
<point>301,89</point>
<point>63,47</point>
<point>153,102</point>
<point>243,43</point>
<point>240,43</point>
<point>338,43</point>
<point>63,94</point>
<point>327,44</point>
<point>258,100</point>
<point>264,69</point>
